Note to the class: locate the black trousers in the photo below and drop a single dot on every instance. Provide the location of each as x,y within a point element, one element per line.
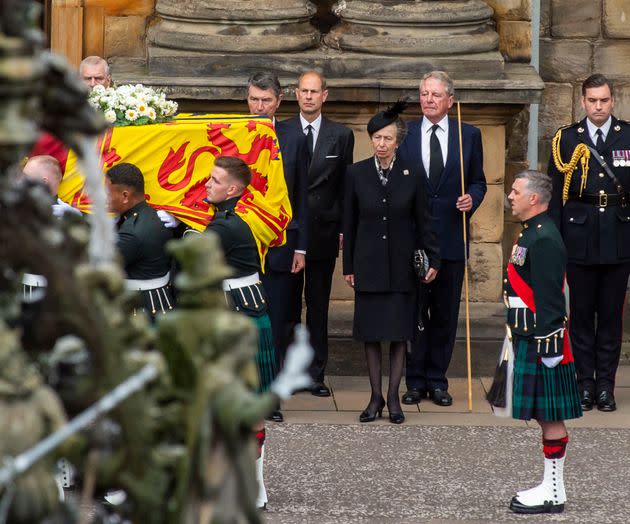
<point>597,296</point>
<point>316,281</point>
<point>430,352</point>
<point>284,300</point>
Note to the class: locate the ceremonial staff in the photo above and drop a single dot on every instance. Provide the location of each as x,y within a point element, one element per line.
<point>461,170</point>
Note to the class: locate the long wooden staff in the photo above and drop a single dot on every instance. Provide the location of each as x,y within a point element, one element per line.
<point>461,170</point>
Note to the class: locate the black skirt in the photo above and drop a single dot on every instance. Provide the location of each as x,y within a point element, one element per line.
<point>383,316</point>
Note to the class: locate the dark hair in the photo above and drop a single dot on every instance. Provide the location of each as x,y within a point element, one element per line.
<point>127,175</point>
<point>236,168</point>
<point>265,80</point>
<point>597,80</point>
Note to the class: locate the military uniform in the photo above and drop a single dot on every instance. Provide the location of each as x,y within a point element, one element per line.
<point>141,242</point>
<point>245,292</point>
<point>592,210</point>
<point>536,316</point>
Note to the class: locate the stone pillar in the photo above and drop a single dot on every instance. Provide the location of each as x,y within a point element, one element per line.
<point>409,28</point>
<point>234,26</point>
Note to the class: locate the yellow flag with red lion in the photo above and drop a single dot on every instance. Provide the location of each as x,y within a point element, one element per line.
<point>176,158</point>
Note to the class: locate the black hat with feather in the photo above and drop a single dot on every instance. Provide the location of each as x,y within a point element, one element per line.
<point>384,118</point>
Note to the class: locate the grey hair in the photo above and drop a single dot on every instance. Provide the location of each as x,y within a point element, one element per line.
<point>538,183</point>
<point>443,77</point>
<point>265,80</point>
<point>94,61</point>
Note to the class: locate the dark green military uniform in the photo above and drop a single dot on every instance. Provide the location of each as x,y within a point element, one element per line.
<point>141,241</point>
<point>241,254</point>
<point>535,277</point>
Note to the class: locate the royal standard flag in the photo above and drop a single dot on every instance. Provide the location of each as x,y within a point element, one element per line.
<point>176,158</point>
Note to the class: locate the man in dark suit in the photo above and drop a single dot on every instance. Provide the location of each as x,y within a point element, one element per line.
<point>595,226</point>
<point>432,144</point>
<point>330,147</point>
<point>281,278</point>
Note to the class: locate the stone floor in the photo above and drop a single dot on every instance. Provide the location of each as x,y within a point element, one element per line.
<point>442,465</point>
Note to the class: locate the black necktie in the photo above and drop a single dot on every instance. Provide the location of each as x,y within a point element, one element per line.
<point>436,162</point>
<point>599,143</point>
<point>309,140</point>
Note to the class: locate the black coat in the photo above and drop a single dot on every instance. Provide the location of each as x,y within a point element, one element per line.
<point>592,234</point>
<point>141,241</point>
<point>326,173</point>
<point>295,165</point>
<point>383,226</point>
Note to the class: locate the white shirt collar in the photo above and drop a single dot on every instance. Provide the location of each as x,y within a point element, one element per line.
<point>315,124</point>
<point>592,128</point>
<point>427,124</point>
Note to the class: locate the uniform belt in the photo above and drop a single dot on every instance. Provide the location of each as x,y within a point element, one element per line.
<point>30,279</point>
<point>602,199</point>
<point>515,302</point>
<point>147,285</point>
<point>236,283</point>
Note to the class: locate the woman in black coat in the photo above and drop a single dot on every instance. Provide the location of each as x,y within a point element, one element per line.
<point>385,219</point>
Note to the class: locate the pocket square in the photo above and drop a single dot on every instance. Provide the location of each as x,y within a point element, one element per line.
<point>332,156</point>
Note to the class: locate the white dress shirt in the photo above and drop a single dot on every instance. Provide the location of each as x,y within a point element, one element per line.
<point>315,125</point>
<point>442,134</point>
<point>592,129</point>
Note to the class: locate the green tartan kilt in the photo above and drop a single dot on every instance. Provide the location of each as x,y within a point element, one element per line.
<point>542,393</point>
<point>266,354</point>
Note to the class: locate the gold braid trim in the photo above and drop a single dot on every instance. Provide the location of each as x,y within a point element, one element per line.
<point>581,153</point>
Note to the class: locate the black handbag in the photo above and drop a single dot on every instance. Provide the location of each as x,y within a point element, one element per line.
<point>420,263</point>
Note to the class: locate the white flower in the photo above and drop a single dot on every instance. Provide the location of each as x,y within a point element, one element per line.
<point>142,108</point>
<point>110,116</point>
<point>131,115</point>
<point>98,90</point>
<point>151,113</point>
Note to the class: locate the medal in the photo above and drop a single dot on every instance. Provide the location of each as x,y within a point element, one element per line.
<point>518,255</point>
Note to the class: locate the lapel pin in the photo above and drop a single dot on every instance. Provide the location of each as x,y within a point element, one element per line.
<point>580,129</point>
<point>405,171</point>
<point>617,127</point>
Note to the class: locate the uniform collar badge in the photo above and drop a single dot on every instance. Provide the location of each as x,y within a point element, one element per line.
<point>580,129</point>
<point>617,127</point>
<point>405,171</point>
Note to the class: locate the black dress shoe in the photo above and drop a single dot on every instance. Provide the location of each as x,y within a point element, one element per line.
<point>397,418</point>
<point>276,416</point>
<point>606,401</point>
<point>319,389</point>
<point>586,399</point>
<point>369,413</point>
<point>441,397</point>
<point>413,396</point>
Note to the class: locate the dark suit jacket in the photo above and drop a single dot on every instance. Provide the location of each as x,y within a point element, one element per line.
<point>383,226</point>
<point>592,236</point>
<point>326,173</point>
<point>447,220</point>
<point>295,164</point>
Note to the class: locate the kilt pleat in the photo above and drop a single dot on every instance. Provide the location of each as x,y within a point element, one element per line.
<point>542,393</point>
<point>266,354</point>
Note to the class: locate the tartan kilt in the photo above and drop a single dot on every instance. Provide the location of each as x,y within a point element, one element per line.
<point>266,354</point>
<point>542,393</point>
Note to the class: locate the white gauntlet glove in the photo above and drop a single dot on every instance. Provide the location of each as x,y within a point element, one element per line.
<point>294,374</point>
<point>168,220</point>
